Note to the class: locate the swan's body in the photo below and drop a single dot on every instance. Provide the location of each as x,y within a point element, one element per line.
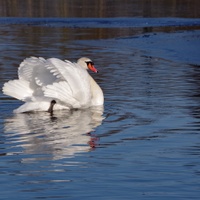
<point>42,81</point>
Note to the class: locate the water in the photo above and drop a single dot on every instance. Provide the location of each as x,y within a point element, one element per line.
<point>145,144</point>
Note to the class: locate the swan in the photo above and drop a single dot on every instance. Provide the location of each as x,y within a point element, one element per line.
<point>53,84</point>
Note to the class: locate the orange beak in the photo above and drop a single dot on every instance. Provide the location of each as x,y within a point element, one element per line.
<point>92,68</point>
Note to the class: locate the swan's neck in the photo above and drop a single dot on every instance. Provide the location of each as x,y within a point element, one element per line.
<point>97,93</point>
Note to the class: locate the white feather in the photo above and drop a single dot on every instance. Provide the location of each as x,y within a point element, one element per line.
<point>18,89</point>
<point>62,93</point>
<point>34,71</point>
<point>41,81</point>
<point>76,76</point>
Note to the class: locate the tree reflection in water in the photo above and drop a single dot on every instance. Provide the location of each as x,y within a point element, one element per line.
<point>99,8</point>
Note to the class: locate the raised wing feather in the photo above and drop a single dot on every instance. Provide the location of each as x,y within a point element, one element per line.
<point>28,67</point>
<point>34,71</point>
<point>62,93</point>
<point>18,89</point>
<point>76,77</point>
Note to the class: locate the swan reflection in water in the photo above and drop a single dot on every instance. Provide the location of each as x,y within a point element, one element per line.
<point>62,135</point>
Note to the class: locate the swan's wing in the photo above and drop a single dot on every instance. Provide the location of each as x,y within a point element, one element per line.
<point>62,93</point>
<point>77,86</point>
<point>29,66</point>
<point>34,71</point>
<point>28,83</point>
<point>18,89</point>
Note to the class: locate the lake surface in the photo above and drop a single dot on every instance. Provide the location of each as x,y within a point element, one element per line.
<point>145,144</point>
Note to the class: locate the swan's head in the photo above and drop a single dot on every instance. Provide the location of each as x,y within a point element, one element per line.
<point>87,63</point>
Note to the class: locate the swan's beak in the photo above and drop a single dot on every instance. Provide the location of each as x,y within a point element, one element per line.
<point>92,68</point>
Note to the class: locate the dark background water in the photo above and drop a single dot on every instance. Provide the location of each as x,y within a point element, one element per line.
<point>146,143</point>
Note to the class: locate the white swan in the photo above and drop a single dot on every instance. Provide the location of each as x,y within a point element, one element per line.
<point>53,84</point>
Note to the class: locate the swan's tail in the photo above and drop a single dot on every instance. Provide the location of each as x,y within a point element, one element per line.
<point>18,89</point>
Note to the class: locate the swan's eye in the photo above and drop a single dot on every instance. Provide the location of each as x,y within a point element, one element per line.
<point>89,63</point>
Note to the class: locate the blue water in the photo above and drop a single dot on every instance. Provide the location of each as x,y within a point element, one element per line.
<point>145,144</point>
